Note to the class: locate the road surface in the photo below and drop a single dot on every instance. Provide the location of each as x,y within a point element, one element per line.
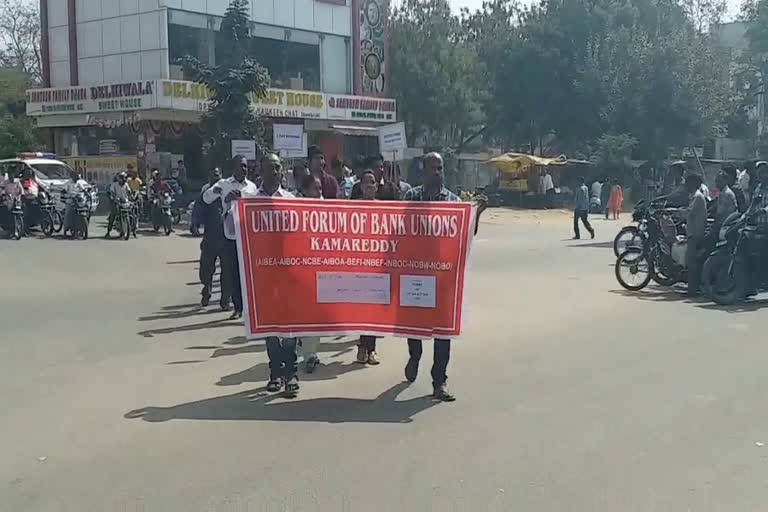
<point>119,394</point>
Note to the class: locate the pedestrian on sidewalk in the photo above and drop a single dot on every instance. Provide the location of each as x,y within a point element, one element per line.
<point>581,210</point>
<point>616,199</point>
<point>433,189</point>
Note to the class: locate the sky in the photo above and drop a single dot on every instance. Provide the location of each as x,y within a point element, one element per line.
<point>733,5</point>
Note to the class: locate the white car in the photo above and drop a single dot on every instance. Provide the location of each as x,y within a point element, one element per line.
<point>52,173</point>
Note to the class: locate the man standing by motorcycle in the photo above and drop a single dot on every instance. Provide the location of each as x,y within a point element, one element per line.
<point>118,192</point>
<point>695,227</point>
<point>72,188</point>
<point>157,187</point>
<point>212,245</point>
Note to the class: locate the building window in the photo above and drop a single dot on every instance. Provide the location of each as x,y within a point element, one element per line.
<point>183,40</point>
<point>291,65</point>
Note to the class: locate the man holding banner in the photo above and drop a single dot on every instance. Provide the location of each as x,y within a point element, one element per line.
<point>335,267</point>
<point>434,190</point>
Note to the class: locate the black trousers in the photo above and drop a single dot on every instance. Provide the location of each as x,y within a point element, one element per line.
<point>210,251</point>
<point>368,343</point>
<point>112,216</point>
<point>583,215</point>
<point>230,275</point>
<point>442,355</point>
<point>282,357</point>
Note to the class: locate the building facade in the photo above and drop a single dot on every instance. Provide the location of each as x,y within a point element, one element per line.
<point>111,73</point>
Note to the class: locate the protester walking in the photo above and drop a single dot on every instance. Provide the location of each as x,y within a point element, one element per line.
<point>316,159</point>
<point>616,199</point>
<point>213,243</point>
<point>433,189</point>
<point>227,191</point>
<point>581,210</point>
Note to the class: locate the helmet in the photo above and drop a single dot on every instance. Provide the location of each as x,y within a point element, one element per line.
<point>155,174</point>
<point>122,175</point>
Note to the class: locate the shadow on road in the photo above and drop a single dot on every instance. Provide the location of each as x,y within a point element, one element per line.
<point>744,307</point>
<point>260,373</point>
<point>171,315</point>
<point>256,405</point>
<point>150,333</point>
<point>187,262</point>
<point>654,294</point>
<point>593,245</point>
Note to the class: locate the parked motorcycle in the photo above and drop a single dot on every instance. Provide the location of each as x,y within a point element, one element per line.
<point>13,214</point>
<point>736,268</point>
<point>633,235</point>
<point>163,216</point>
<point>126,220</point>
<point>47,214</point>
<point>81,214</point>
<point>660,257</point>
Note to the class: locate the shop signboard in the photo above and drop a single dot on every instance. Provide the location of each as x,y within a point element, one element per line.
<point>120,97</point>
<point>100,169</point>
<point>361,108</point>
<point>183,95</point>
<point>193,97</point>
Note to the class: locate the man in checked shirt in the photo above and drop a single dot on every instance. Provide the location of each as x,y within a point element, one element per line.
<point>433,189</point>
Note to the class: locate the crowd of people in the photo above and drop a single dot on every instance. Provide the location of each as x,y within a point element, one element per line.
<point>376,180</point>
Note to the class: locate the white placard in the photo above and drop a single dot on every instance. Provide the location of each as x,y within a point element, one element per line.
<point>417,291</point>
<point>246,148</point>
<point>392,137</point>
<point>287,137</point>
<point>296,153</point>
<point>352,288</point>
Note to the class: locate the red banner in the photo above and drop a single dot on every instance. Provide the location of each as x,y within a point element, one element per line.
<point>323,268</point>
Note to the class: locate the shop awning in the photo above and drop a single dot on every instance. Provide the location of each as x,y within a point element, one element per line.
<point>517,164</point>
<point>357,131</point>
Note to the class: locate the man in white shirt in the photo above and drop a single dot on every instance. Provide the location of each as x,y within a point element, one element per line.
<point>228,190</point>
<point>71,189</point>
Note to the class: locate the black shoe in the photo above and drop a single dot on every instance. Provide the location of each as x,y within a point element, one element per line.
<point>273,386</point>
<point>441,393</point>
<point>576,238</point>
<point>292,388</point>
<point>411,370</point>
<point>224,306</point>
<point>237,315</point>
<point>206,299</point>
<point>592,234</point>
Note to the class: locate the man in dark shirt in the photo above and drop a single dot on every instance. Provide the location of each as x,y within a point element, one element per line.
<point>434,190</point>
<point>212,245</point>
<point>316,159</point>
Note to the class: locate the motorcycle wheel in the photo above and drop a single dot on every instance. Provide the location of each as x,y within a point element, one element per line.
<point>633,269</point>
<point>723,287</point>
<point>58,221</point>
<point>125,228</point>
<point>629,236</point>
<point>46,224</point>
<point>18,227</point>
<point>167,226</point>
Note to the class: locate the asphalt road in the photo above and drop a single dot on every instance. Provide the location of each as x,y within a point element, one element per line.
<point>117,393</point>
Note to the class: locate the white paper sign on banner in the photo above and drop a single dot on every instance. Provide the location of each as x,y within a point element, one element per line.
<point>392,138</point>
<point>246,148</point>
<point>287,137</point>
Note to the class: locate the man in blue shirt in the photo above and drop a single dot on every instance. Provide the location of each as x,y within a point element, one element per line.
<point>581,210</point>
<point>434,190</point>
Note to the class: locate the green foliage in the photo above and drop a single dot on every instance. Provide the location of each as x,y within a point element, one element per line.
<point>435,73</point>
<point>614,150</point>
<point>561,74</point>
<point>233,83</point>
<point>17,131</point>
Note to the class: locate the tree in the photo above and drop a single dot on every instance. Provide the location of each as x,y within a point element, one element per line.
<point>233,83</point>
<point>435,73</point>
<point>20,38</point>
<point>17,130</point>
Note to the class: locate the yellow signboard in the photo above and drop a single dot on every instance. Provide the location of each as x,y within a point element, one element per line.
<point>100,169</point>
